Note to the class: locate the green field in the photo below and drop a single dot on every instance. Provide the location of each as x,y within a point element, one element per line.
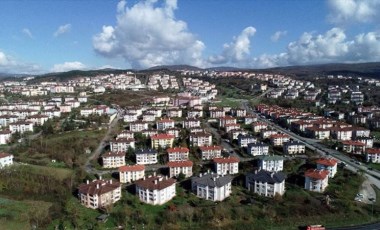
<point>18,215</point>
<point>67,148</point>
<point>59,173</point>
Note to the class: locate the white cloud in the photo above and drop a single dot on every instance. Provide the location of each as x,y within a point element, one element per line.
<point>27,32</point>
<point>276,36</point>
<point>346,11</point>
<point>147,35</point>
<point>333,46</point>
<point>62,30</point>
<point>8,64</point>
<point>67,66</point>
<point>237,51</point>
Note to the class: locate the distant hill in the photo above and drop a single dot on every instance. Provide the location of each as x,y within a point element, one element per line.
<point>371,69</point>
<point>359,69</point>
<point>174,68</point>
<point>65,76</point>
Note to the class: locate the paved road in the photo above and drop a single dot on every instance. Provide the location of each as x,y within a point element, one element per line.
<point>95,154</point>
<point>373,176</point>
<point>374,226</point>
<point>226,144</point>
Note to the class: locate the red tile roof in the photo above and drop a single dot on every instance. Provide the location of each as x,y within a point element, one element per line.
<point>162,136</point>
<point>279,135</point>
<point>155,183</point>
<point>173,164</point>
<point>3,155</point>
<point>226,160</point>
<point>98,187</point>
<point>165,120</point>
<point>327,162</point>
<point>178,149</point>
<point>355,143</point>
<point>317,174</point>
<point>131,168</point>
<point>373,151</point>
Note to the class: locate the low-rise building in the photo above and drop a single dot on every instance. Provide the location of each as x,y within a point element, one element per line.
<point>329,164</point>
<point>191,123</point>
<point>294,147</point>
<point>138,126</point>
<point>258,126</point>
<point>146,156</point>
<point>244,140</point>
<point>266,183</point>
<point>355,147</point>
<point>178,154</point>
<point>162,140</point>
<point>272,163</point>
<point>177,167</point>
<point>99,193</point>
<point>210,152</point>
<point>129,173</point>
<point>257,149</point>
<point>201,139</point>
<point>316,180</point>
<point>279,139</point>
<point>373,155</point>
<point>122,144</point>
<point>21,127</point>
<point>5,137</point>
<point>164,124</point>
<point>212,186</point>
<point>227,165</point>
<point>113,159</point>
<point>5,160</point>
<point>155,190</point>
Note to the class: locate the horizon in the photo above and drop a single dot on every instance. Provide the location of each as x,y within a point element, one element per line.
<point>46,37</point>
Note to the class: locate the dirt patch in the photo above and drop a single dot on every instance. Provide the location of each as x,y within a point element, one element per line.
<point>367,191</point>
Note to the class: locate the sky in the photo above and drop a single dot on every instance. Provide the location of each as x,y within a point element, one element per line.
<point>40,36</point>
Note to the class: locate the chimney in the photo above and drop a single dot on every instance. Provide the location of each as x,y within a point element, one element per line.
<point>200,174</point>
<point>100,177</point>
<point>97,186</point>
<point>143,177</point>
<point>111,181</point>
<point>87,182</point>
<point>154,174</point>
<point>155,181</point>
<point>271,174</point>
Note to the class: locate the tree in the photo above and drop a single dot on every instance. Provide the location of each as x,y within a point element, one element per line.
<point>48,128</point>
<point>181,176</point>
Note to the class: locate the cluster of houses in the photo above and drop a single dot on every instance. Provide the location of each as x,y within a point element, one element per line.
<point>164,81</point>
<point>96,84</point>
<point>24,116</point>
<point>216,185</point>
<point>354,139</point>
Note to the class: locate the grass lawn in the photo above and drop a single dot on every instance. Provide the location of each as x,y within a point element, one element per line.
<point>374,166</point>
<point>229,102</point>
<point>67,148</point>
<point>59,173</point>
<point>376,134</point>
<point>17,214</point>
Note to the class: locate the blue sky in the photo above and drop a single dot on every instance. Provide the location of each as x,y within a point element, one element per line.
<point>41,36</point>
